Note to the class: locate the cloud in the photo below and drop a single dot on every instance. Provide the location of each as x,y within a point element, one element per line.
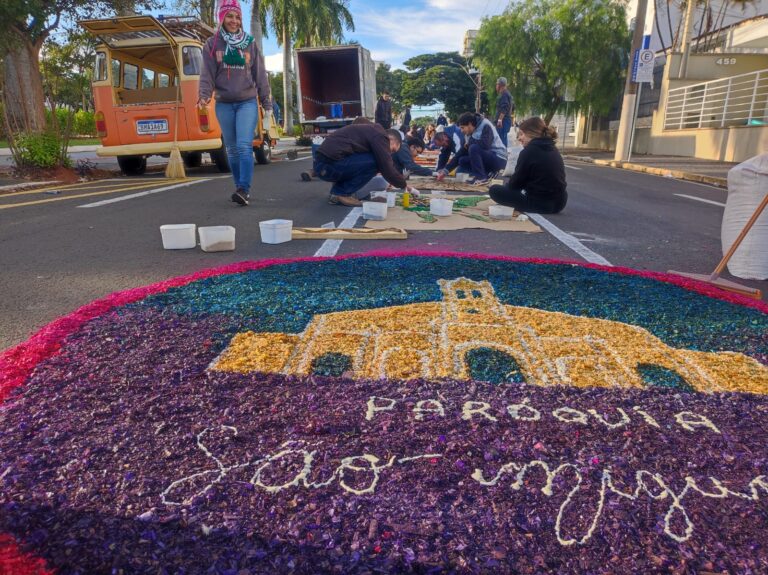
<point>274,62</point>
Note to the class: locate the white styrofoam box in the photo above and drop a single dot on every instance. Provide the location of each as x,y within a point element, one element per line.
<point>500,212</point>
<point>375,210</point>
<point>217,238</point>
<point>747,186</point>
<point>440,207</point>
<point>178,236</point>
<point>276,231</point>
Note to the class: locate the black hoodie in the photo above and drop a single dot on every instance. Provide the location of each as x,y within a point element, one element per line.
<point>540,170</point>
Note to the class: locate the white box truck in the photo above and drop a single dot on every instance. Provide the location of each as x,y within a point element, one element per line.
<point>335,85</point>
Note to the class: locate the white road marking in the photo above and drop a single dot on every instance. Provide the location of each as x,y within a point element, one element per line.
<point>722,205</point>
<point>330,247</point>
<point>140,194</point>
<point>573,167</point>
<point>570,241</point>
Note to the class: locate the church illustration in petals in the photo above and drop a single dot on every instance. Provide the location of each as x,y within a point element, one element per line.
<point>440,339</point>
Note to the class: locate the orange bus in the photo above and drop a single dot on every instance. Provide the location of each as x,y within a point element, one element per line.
<point>145,90</point>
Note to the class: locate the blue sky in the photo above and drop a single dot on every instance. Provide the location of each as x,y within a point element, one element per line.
<point>396,30</point>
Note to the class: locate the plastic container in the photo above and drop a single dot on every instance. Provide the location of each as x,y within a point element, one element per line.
<point>498,212</point>
<point>440,207</point>
<point>462,176</point>
<point>217,238</point>
<point>374,210</point>
<point>178,236</point>
<point>391,199</point>
<point>276,231</point>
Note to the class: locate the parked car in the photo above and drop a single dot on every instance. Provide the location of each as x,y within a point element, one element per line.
<point>145,89</point>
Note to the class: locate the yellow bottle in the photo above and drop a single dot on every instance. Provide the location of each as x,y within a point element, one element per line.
<point>406,199</point>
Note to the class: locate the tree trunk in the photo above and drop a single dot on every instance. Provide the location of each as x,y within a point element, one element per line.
<point>287,87</point>
<point>256,30</point>
<point>23,86</point>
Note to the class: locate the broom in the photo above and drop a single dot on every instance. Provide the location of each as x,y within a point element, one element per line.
<point>175,167</point>
<point>715,279</point>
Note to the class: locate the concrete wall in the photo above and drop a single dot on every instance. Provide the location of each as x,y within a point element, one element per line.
<point>734,144</point>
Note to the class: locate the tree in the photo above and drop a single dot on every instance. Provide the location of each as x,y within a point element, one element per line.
<point>542,46</point>
<point>28,25</point>
<point>440,77</point>
<point>305,23</point>
<point>66,65</point>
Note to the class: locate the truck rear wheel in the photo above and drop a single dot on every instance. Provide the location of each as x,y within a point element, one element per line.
<point>193,159</point>
<point>132,165</point>
<point>219,157</point>
<point>263,153</point>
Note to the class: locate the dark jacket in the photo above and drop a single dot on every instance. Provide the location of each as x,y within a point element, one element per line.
<point>456,143</point>
<point>384,113</point>
<point>540,170</point>
<point>233,84</point>
<point>364,138</point>
<point>404,161</point>
<point>504,105</point>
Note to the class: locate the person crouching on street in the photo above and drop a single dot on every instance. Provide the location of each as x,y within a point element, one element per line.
<point>483,155</point>
<point>538,185</point>
<point>234,68</point>
<point>352,156</point>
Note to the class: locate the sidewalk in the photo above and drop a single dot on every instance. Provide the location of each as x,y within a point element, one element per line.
<point>709,172</point>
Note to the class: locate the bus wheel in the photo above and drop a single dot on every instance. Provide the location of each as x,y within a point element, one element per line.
<point>193,159</point>
<point>263,153</point>
<point>219,157</point>
<point>132,165</point>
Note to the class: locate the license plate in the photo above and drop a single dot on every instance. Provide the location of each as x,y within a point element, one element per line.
<point>151,127</point>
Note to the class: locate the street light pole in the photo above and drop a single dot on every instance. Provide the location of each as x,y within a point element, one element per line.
<point>630,88</point>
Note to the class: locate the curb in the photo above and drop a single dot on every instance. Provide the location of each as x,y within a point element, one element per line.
<point>663,172</point>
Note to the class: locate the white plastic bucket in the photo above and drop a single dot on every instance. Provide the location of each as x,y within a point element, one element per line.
<point>275,231</point>
<point>498,212</point>
<point>217,238</point>
<point>178,236</point>
<point>440,207</point>
<point>375,210</point>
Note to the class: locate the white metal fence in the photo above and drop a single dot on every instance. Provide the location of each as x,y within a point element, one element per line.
<point>736,101</point>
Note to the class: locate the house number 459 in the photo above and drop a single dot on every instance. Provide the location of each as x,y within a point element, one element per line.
<point>725,61</point>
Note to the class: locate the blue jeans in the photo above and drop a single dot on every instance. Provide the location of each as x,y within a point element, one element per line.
<point>238,122</point>
<point>481,162</point>
<point>506,125</point>
<point>348,174</point>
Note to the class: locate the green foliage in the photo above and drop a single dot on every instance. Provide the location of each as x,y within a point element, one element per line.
<point>84,123</point>
<point>542,46</point>
<point>41,150</point>
<point>440,77</point>
<point>67,65</point>
<point>390,81</point>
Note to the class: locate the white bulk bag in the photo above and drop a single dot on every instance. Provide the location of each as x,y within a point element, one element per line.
<point>747,186</point>
<point>512,153</point>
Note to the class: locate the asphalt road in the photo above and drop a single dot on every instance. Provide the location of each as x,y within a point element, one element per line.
<point>57,255</point>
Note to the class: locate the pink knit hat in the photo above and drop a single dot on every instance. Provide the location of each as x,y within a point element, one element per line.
<point>227,6</point>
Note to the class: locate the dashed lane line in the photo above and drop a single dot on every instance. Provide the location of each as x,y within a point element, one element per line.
<point>147,193</point>
<point>722,205</point>
<point>570,241</point>
<point>330,247</point>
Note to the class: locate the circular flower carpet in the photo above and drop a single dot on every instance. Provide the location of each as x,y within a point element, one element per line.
<point>391,413</point>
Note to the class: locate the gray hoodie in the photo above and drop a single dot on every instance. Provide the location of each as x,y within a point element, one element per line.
<point>233,84</point>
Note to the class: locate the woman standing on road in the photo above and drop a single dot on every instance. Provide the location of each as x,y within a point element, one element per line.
<point>538,184</point>
<point>234,68</point>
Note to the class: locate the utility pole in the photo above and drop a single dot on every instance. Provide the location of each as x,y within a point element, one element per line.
<point>630,88</point>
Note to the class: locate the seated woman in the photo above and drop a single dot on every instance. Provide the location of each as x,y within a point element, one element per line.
<point>538,184</point>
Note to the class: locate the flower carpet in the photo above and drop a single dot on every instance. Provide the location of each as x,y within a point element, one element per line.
<point>391,413</point>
